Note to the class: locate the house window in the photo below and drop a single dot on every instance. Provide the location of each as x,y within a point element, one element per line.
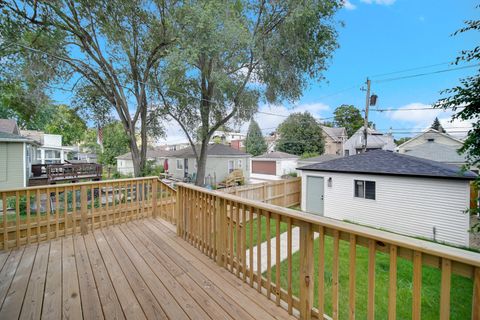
<point>179,164</point>
<point>231,164</point>
<point>239,164</point>
<point>364,189</point>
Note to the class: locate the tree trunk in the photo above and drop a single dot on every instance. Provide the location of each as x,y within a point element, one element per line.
<point>202,163</point>
<point>136,156</point>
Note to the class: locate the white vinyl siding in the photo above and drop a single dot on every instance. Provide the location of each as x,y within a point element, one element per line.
<point>406,205</point>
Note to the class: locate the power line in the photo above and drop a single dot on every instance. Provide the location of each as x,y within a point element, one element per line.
<point>425,74</point>
<point>412,109</point>
<point>410,69</point>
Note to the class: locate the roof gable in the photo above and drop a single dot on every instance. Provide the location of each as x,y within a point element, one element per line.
<point>429,131</point>
<point>9,126</point>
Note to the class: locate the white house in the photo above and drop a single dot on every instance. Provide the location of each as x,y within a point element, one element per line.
<point>227,137</point>
<point>434,145</point>
<point>375,141</point>
<point>392,191</point>
<point>274,164</point>
<point>221,161</point>
<point>125,162</point>
<point>50,150</point>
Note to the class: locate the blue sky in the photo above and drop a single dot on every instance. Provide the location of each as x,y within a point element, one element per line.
<point>382,36</point>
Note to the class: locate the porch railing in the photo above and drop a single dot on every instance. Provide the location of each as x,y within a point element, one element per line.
<point>34,214</point>
<point>230,230</point>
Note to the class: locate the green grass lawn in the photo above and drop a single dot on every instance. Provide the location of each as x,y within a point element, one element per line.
<point>461,294</point>
<point>263,226</point>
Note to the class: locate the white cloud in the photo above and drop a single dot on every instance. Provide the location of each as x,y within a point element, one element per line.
<point>419,120</point>
<point>457,128</point>
<point>269,119</point>
<point>380,2</point>
<point>410,113</point>
<point>348,5</point>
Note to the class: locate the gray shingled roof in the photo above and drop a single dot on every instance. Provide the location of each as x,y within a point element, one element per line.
<point>9,137</point>
<point>335,133</point>
<point>437,152</point>
<point>151,154</point>
<point>390,163</point>
<point>319,159</point>
<point>216,149</point>
<point>9,126</point>
<point>277,155</point>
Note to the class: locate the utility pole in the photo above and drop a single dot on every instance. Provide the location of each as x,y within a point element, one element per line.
<point>367,105</point>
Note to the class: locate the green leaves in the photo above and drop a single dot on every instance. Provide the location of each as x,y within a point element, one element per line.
<point>255,143</point>
<point>300,133</point>
<point>349,117</point>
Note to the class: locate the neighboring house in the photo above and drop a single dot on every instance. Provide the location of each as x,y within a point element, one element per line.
<point>318,159</point>
<point>17,154</point>
<point>271,141</point>
<point>274,163</point>
<point>50,150</point>
<point>227,137</point>
<point>392,191</point>
<point>238,144</point>
<point>434,145</point>
<point>221,161</point>
<point>334,139</point>
<point>125,162</point>
<point>9,126</point>
<point>375,141</point>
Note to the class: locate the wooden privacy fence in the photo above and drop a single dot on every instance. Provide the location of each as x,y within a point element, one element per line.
<point>284,193</point>
<point>41,213</point>
<point>226,228</point>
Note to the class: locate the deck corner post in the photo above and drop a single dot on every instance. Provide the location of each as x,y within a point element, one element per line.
<point>306,270</point>
<point>179,212</point>
<point>220,221</point>
<point>84,208</point>
<point>154,197</point>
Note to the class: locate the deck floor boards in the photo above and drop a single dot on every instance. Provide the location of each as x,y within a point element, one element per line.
<point>135,270</point>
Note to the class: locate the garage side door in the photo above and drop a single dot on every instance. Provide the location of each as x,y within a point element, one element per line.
<point>264,167</point>
<point>315,195</point>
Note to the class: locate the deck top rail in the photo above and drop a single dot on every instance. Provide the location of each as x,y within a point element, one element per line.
<point>245,237</point>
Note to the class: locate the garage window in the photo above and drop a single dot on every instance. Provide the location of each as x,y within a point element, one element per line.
<point>364,189</point>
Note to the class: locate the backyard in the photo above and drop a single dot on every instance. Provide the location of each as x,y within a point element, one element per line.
<point>461,294</point>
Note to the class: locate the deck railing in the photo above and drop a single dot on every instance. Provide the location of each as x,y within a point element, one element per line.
<point>34,214</point>
<point>230,230</point>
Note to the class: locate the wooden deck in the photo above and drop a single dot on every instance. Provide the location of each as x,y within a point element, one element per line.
<point>135,270</point>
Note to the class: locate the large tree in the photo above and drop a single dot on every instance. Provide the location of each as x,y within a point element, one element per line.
<point>230,54</point>
<point>66,122</point>
<point>349,117</point>
<point>255,142</point>
<point>464,99</point>
<point>111,45</point>
<point>300,133</point>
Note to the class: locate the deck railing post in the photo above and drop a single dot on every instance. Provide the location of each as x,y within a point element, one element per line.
<point>84,208</point>
<point>306,270</point>
<point>220,219</point>
<point>154,197</point>
<point>179,211</point>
